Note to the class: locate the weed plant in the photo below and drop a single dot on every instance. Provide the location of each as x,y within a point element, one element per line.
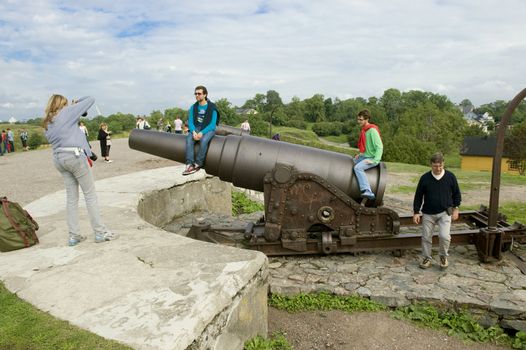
<point>276,342</point>
<point>241,204</point>
<point>459,324</point>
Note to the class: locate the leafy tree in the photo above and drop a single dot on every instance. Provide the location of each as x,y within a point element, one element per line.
<point>328,128</point>
<point>391,101</point>
<point>466,103</point>
<point>256,103</point>
<point>315,109</point>
<point>35,121</point>
<point>115,126</point>
<point>154,118</point>
<point>515,146</point>
<point>172,113</point>
<point>474,130</point>
<point>329,109</point>
<point>295,109</point>
<point>407,149</point>
<point>227,112</point>
<point>258,126</point>
<point>272,101</point>
<point>121,121</point>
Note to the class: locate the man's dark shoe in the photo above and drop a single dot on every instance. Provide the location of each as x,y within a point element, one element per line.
<point>368,194</point>
<point>190,169</point>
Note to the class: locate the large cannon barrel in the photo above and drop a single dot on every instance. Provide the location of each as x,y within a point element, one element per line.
<point>244,160</point>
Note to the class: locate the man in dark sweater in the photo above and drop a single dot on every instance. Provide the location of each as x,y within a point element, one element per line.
<point>439,192</point>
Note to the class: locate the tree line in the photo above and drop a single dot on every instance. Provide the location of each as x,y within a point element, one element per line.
<point>413,124</point>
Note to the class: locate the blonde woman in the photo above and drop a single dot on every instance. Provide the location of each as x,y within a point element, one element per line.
<point>105,142</point>
<point>70,156</point>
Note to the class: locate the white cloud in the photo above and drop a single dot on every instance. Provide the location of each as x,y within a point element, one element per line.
<point>139,57</point>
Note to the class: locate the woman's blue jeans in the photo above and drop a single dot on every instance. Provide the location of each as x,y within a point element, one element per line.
<point>76,172</point>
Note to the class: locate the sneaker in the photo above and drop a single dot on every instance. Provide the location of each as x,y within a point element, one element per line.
<point>109,161</point>
<point>73,241</point>
<point>197,168</point>
<point>368,194</point>
<point>190,169</point>
<point>426,263</point>
<point>443,262</point>
<point>108,236</point>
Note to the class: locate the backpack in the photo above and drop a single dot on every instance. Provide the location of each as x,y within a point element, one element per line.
<point>17,227</point>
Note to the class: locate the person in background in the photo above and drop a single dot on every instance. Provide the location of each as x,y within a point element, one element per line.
<point>70,157</point>
<point>276,137</point>
<point>371,150</point>
<point>23,138</point>
<point>160,124</point>
<point>168,128</point>
<point>245,127</point>
<point>178,125</point>
<point>105,142</point>
<point>202,120</point>
<point>84,129</point>
<point>10,140</point>
<point>437,197</point>
<point>142,123</point>
<point>3,143</point>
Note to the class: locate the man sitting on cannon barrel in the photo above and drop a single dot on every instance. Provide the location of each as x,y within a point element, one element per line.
<point>371,149</point>
<point>202,120</point>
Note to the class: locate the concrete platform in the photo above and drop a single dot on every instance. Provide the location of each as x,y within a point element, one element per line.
<point>149,289</point>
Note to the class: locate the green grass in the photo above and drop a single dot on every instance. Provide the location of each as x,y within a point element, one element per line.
<point>275,342</point>
<point>241,204</point>
<point>323,301</point>
<point>23,327</point>
<point>337,139</point>
<point>459,324</point>
<point>514,211</point>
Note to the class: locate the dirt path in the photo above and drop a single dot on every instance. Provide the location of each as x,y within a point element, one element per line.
<point>32,175</point>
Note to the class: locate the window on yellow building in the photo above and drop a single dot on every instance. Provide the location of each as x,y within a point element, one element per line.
<point>513,165</point>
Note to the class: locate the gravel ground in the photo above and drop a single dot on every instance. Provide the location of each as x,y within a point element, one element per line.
<point>32,175</point>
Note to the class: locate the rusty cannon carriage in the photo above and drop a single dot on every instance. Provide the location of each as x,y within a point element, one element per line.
<point>312,200</point>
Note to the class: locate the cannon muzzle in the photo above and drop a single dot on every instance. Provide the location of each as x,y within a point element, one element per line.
<point>245,160</point>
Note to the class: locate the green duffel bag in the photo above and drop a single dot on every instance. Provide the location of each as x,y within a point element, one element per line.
<point>17,227</point>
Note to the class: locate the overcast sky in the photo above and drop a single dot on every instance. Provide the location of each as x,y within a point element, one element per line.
<point>136,57</point>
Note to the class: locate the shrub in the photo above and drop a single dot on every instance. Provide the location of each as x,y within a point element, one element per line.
<point>35,140</point>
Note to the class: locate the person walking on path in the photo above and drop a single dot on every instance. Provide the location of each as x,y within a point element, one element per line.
<point>10,140</point>
<point>84,129</point>
<point>202,120</point>
<point>437,197</point>
<point>178,125</point>
<point>142,123</point>
<point>371,150</point>
<point>245,127</point>
<point>70,157</point>
<point>23,139</point>
<point>105,142</point>
<point>3,143</point>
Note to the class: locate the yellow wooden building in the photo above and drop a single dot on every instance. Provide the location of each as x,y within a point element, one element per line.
<point>477,154</point>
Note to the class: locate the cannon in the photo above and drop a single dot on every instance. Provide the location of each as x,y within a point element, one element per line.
<point>312,199</point>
